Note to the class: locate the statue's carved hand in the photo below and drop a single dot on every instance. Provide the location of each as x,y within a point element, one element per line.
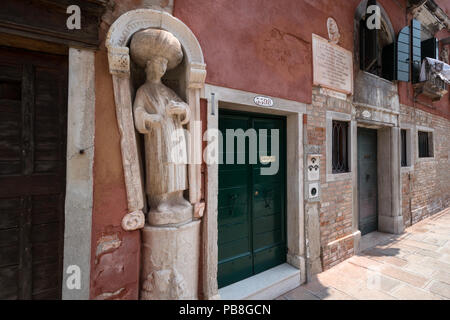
<point>152,120</point>
<point>176,108</point>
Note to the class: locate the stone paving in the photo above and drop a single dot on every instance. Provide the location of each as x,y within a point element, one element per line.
<point>414,266</point>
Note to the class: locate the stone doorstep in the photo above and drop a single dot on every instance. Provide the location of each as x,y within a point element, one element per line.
<point>266,285</point>
<point>372,239</point>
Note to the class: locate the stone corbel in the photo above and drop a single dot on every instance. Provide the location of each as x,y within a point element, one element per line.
<point>119,61</point>
<point>117,40</point>
<point>196,75</point>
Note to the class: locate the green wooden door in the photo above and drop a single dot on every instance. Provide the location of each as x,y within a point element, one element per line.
<point>251,205</point>
<point>367,180</point>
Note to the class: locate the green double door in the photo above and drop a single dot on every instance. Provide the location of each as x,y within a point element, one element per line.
<point>251,204</point>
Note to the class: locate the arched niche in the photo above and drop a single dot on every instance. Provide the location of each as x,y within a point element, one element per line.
<point>192,73</point>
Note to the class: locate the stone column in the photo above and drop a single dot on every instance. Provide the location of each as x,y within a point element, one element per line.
<point>389,212</point>
<point>79,201</point>
<point>398,226</point>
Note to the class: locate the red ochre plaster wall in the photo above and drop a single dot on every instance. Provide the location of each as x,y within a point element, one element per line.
<point>264,46</point>
<point>115,252</point>
<point>261,46</point>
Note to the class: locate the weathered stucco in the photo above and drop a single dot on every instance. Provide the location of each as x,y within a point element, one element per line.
<point>115,252</point>
<point>265,46</point>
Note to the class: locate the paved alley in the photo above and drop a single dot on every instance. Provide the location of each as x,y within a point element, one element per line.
<point>414,265</point>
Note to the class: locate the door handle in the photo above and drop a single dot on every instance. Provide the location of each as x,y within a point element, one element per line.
<point>367,177</point>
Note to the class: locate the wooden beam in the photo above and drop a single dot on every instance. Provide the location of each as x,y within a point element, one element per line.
<point>46,20</point>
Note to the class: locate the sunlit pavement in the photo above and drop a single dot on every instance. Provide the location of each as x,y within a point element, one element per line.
<point>414,265</point>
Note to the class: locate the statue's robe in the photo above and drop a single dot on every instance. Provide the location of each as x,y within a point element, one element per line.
<point>165,145</point>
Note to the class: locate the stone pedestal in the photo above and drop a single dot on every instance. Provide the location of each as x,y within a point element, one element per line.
<point>170,261</point>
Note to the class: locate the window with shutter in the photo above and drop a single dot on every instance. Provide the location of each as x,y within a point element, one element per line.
<point>369,49</point>
<point>368,45</point>
<point>389,61</point>
<point>416,50</point>
<point>430,48</point>
<point>377,48</point>
<point>403,51</point>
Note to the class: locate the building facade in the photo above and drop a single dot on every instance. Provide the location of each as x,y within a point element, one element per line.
<point>360,116</point>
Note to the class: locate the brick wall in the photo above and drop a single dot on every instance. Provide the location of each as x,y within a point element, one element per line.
<point>427,186</point>
<point>336,196</point>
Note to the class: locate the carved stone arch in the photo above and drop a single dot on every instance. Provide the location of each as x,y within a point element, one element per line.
<point>117,41</point>
<point>129,23</point>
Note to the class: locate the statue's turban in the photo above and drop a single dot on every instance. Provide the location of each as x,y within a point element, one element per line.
<point>151,43</point>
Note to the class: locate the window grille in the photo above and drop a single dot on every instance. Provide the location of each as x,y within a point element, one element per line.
<point>424,145</point>
<point>403,138</point>
<point>340,147</point>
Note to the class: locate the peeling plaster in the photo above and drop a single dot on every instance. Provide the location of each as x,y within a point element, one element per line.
<point>107,244</point>
<point>111,295</point>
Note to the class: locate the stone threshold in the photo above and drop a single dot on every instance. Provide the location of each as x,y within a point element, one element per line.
<point>266,285</point>
<point>374,238</point>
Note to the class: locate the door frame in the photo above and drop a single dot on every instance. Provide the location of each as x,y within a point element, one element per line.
<point>79,157</point>
<point>79,172</point>
<point>254,115</point>
<point>390,219</point>
<point>231,99</point>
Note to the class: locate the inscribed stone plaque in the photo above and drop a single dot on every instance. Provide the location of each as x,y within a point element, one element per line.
<point>332,65</point>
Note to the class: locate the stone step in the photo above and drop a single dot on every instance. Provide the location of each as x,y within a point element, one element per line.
<point>266,285</point>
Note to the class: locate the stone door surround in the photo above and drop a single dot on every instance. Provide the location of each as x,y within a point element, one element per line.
<point>390,218</point>
<point>220,97</point>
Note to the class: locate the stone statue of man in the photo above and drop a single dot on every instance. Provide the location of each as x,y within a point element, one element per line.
<point>160,114</point>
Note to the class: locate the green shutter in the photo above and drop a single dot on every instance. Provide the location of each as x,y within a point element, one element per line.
<point>416,50</point>
<point>430,48</point>
<point>403,51</point>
